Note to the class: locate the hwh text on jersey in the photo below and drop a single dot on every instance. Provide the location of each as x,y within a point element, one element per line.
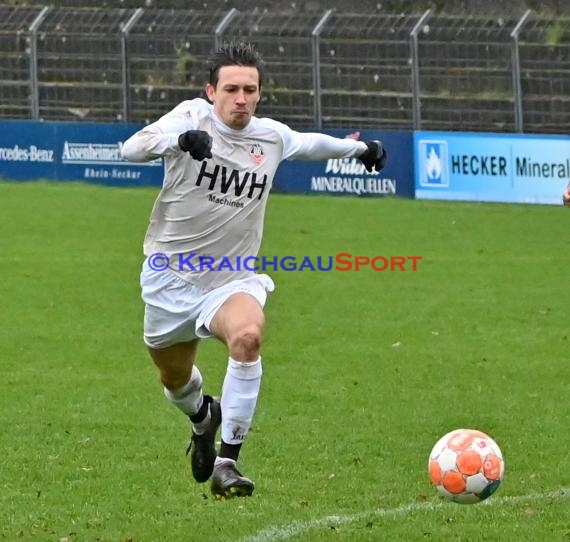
<point>226,180</point>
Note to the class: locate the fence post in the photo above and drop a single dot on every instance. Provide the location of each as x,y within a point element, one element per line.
<point>126,28</point>
<point>516,71</point>
<point>315,35</point>
<point>33,37</point>
<point>416,103</point>
<point>224,23</point>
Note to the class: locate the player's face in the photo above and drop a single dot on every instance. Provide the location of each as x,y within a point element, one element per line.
<point>236,95</point>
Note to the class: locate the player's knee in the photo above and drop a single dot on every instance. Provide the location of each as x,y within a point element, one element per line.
<point>246,343</point>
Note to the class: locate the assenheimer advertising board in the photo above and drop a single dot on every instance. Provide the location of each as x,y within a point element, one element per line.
<point>92,152</point>
<point>491,167</point>
<point>72,151</point>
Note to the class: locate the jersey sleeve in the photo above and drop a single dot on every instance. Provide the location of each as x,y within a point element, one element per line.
<point>316,146</point>
<point>161,137</point>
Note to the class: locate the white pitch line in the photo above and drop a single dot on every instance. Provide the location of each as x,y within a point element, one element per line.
<point>289,530</point>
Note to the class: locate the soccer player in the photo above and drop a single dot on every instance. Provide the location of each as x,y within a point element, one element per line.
<point>220,161</point>
<point>566,196</point>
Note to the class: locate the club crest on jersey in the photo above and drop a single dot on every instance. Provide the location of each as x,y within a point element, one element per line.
<point>257,153</point>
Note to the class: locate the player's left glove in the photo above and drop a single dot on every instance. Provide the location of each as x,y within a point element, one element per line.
<point>375,157</point>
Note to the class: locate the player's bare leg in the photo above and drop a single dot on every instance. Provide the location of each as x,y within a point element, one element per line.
<point>239,324</point>
<point>182,383</point>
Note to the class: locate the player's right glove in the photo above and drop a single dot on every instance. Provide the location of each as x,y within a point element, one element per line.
<point>375,157</point>
<point>197,142</point>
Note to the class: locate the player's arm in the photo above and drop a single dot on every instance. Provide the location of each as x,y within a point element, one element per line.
<point>173,133</point>
<point>155,140</point>
<point>317,146</point>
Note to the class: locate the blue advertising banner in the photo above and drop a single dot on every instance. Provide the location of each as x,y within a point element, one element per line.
<point>491,167</point>
<point>72,151</point>
<point>92,152</point>
<point>347,176</point>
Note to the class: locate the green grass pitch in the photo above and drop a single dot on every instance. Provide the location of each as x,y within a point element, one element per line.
<point>363,372</point>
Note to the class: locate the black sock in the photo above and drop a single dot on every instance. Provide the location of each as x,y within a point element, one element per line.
<point>229,451</point>
<point>203,412</point>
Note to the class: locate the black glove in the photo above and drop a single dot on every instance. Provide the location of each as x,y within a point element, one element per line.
<point>375,157</point>
<point>197,142</point>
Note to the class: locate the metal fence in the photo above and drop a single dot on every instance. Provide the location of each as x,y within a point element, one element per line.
<point>325,69</point>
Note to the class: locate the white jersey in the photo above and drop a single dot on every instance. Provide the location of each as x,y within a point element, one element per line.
<point>208,217</point>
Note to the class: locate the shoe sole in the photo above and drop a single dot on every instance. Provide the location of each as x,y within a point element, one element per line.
<point>234,491</point>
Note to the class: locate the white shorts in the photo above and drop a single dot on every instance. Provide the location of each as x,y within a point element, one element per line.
<point>177,311</point>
